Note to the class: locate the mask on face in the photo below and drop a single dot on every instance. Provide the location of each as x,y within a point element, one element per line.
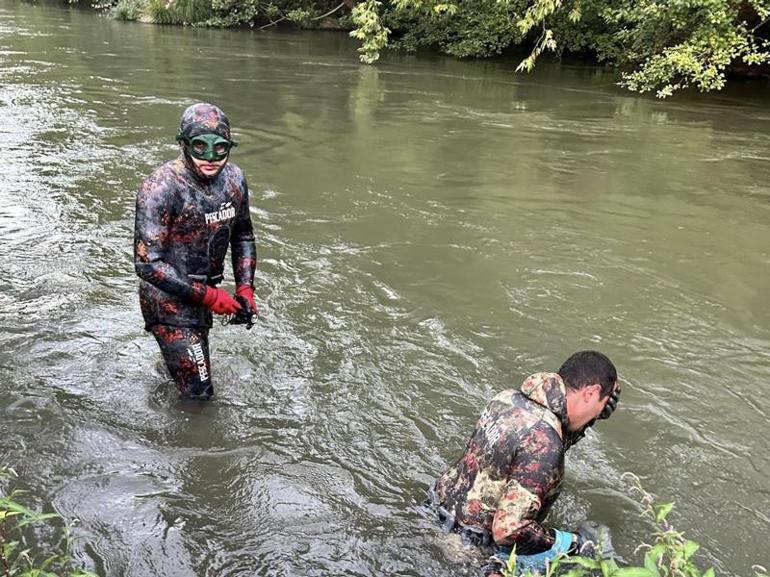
<point>612,404</point>
<point>210,147</point>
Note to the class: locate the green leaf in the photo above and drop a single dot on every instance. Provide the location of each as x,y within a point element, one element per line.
<point>651,558</point>
<point>35,519</point>
<point>14,506</point>
<point>450,9</point>
<point>662,510</point>
<point>690,547</point>
<point>608,567</point>
<point>575,14</point>
<point>48,562</point>
<point>9,547</point>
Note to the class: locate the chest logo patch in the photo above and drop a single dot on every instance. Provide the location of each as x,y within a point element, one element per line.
<point>226,211</point>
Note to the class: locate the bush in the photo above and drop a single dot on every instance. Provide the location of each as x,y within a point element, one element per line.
<point>179,11</point>
<point>127,10</point>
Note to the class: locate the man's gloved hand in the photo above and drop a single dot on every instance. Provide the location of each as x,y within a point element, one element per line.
<point>612,404</point>
<point>594,539</point>
<point>247,293</point>
<point>538,562</point>
<point>220,302</point>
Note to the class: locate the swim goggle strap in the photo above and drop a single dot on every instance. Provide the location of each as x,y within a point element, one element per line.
<point>210,147</point>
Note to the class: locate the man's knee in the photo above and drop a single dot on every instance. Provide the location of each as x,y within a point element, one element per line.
<point>186,354</point>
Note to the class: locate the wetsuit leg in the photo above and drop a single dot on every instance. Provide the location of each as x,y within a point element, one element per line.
<point>186,352</point>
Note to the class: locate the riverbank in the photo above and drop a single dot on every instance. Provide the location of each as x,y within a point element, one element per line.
<point>701,45</point>
<point>228,14</point>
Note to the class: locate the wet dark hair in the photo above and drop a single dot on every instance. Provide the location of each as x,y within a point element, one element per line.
<point>588,368</point>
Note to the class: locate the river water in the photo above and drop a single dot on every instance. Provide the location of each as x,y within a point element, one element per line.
<point>430,231</point>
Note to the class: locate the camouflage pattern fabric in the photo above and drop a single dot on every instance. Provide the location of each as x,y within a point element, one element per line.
<point>186,354</point>
<point>184,225</point>
<point>513,465</point>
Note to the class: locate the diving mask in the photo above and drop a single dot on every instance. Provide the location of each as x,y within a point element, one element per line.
<point>210,147</point>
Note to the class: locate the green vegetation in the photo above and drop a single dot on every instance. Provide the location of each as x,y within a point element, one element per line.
<point>178,11</point>
<point>668,555</point>
<point>17,558</point>
<point>659,45</point>
<point>128,9</point>
<point>224,13</point>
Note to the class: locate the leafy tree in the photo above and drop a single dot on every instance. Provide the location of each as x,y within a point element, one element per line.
<point>662,45</point>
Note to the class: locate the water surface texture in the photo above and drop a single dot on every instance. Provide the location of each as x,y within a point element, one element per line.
<point>430,231</point>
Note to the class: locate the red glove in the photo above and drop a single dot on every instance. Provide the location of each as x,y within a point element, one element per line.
<point>220,301</point>
<point>247,292</point>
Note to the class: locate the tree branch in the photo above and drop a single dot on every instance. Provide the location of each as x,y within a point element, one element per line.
<point>272,23</point>
<point>330,12</point>
<point>765,21</point>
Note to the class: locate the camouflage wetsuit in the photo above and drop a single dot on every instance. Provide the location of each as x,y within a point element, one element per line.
<point>512,469</point>
<point>184,225</point>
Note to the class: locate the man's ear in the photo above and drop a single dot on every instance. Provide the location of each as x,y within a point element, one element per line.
<point>590,390</point>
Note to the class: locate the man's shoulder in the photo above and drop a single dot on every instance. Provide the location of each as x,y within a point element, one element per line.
<point>515,411</point>
<point>505,396</point>
<point>173,166</point>
<point>232,170</point>
<point>548,430</point>
<point>167,175</point>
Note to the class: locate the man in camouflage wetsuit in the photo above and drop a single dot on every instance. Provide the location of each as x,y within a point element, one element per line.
<point>187,214</point>
<point>502,488</point>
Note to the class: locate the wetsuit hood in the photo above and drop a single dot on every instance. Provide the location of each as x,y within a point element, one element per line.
<point>204,118</point>
<point>201,118</point>
<point>548,390</point>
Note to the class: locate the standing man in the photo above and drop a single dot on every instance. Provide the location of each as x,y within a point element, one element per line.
<point>187,213</point>
<point>501,489</point>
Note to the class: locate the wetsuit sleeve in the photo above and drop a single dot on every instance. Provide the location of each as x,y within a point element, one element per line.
<point>534,474</point>
<point>244,252</point>
<point>154,214</point>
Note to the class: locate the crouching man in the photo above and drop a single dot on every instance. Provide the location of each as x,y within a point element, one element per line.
<point>501,489</point>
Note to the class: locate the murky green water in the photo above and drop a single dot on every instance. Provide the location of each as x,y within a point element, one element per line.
<point>430,231</point>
